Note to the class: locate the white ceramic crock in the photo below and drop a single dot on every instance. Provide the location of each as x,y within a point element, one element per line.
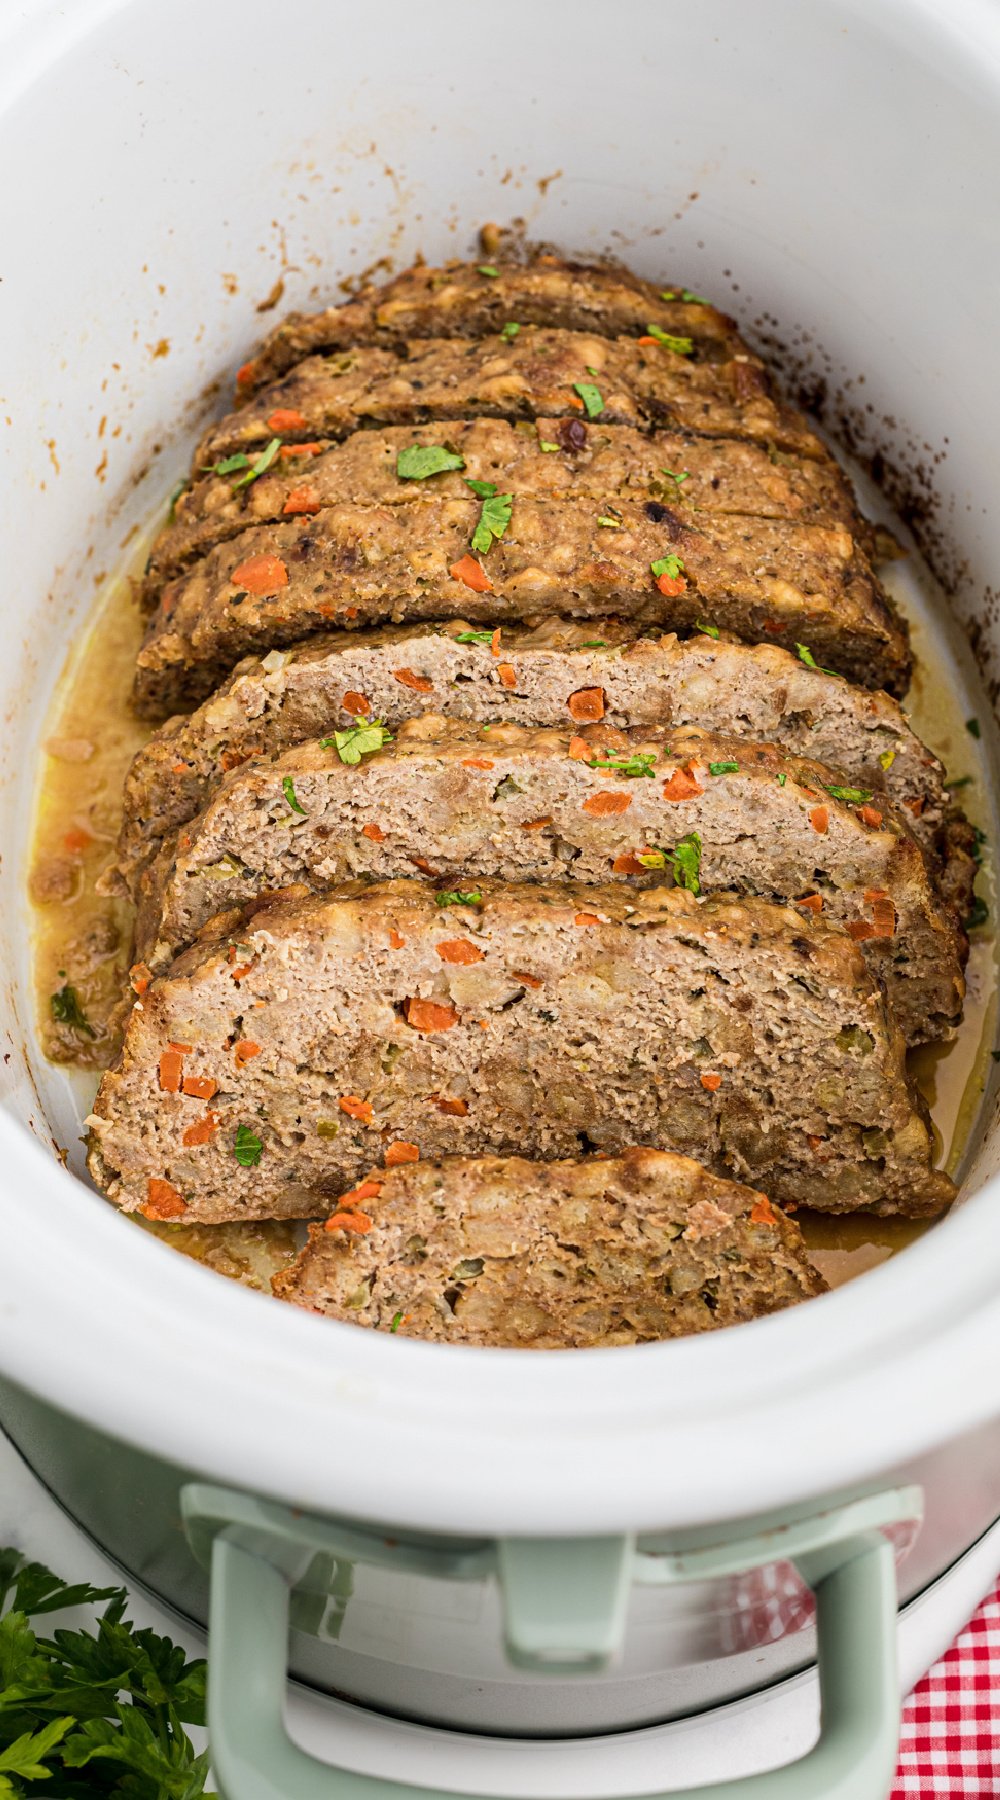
<point>828,173</point>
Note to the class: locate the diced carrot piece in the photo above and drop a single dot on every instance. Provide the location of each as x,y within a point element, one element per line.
<point>76,840</point>
<point>140,975</point>
<point>579,749</point>
<point>358,1222</point>
<point>401,1152</point>
<point>860,929</point>
<point>302,500</point>
<point>288,450</point>
<point>586,919</point>
<point>286,418</point>
<point>574,400</point>
<point>355,704</point>
<point>374,832</point>
<point>476,762</point>
<point>366,1190</point>
<point>916,805</point>
<point>681,785</point>
<point>762,1212</point>
<point>628,864</point>
<point>231,759</point>
<point>183,1048</point>
<point>244,1051</point>
<point>245,373</point>
<point>529,980</point>
<point>883,913</point>
<point>586,704</point>
<point>260,575</point>
<point>812,902</point>
<point>171,1066</point>
<point>711,1083</point>
<point>430,1015</point>
<point>199,1087</point>
<point>495,642</point>
<point>471,574</point>
<point>163,1201</point>
<point>537,824</point>
<point>459,950</point>
<point>202,1131</point>
<point>238,973</point>
<point>178,768</point>
<point>419,683</point>
<point>647,340</point>
<point>774,627</point>
<point>395,941</point>
<point>870,815</point>
<point>671,585</point>
<point>457,1108</point>
<point>819,818</point>
<point>350,612</point>
<point>507,674</point>
<point>420,862</point>
<point>356,1108</point>
<point>602,806</point>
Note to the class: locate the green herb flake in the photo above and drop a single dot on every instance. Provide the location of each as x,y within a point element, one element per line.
<point>230,464</point>
<point>510,330</point>
<point>781,780</point>
<point>806,656</point>
<point>723,768</point>
<point>711,631</point>
<point>593,403</point>
<point>973,728</point>
<point>960,781</point>
<point>363,739</point>
<point>651,859</point>
<point>488,269</point>
<point>594,644</point>
<point>668,565</point>
<point>418,461</point>
<point>977,914</point>
<point>854,796</point>
<point>678,476</point>
<point>685,859</point>
<point>887,759</point>
<point>493,519</point>
<point>288,790</point>
<point>66,1009</point>
<point>172,499</point>
<point>543,444</point>
<point>995,1055</point>
<point>484,490</point>
<point>641,763</point>
<point>668,294</point>
<point>248,1148</point>
<point>264,461</point>
<point>694,299</point>
<point>474,637</point>
<point>681,346</point>
<point>609,523</point>
<point>454,897</point>
<point>397,1320</point>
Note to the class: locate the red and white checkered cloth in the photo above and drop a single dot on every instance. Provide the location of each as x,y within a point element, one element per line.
<point>950,1741</point>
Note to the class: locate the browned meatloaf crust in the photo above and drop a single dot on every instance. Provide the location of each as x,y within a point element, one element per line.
<point>468,300</point>
<point>507,802</point>
<point>562,669</point>
<point>531,377</point>
<point>546,1256</point>
<point>706,475</point>
<point>288,1049</point>
<point>357,566</point>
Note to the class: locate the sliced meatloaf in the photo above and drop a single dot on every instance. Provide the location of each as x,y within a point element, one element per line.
<point>469,300</point>
<point>693,475</point>
<point>547,1256</point>
<point>517,803</point>
<point>534,375</point>
<point>357,566</point>
<point>289,1048</point>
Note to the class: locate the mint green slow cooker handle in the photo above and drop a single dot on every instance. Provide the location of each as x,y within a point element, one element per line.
<point>564,1603</point>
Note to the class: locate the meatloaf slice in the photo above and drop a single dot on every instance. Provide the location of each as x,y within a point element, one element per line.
<point>552,1256</point>
<point>291,1046</point>
<point>535,375</point>
<point>464,802</point>
<point>691,474</point>
<point>470,300</point>
<point>356,566</point>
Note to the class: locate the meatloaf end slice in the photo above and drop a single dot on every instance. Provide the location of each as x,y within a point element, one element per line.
<point>544,1256</point>
<point>289,1047</point>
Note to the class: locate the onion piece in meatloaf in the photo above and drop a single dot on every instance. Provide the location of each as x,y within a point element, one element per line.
<point>564,669</point>
<point>468,300</point>
<point>291,1047</point>
<point>370,565</point>
<point>687,473</point>
<point>512,803</point>
<point>547,1256</point>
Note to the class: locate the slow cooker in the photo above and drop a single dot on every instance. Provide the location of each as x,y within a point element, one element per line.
<point>526,1546</point>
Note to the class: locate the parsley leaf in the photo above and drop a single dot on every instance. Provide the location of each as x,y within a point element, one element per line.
<point>67,1010</point>
<point>679,477</point>
<point>711,631</point>
<point>510,330</point>
<point>230,464</point>
<point>454,897</point>
<point>172,499</point>
<point>543,444</point>
<point>418,461</point>
<point>855,796</point>
<point>681,346</point>
<point>694,299</point>
<point>960,781</point>
<point>887,759</point>
<point>593,404</point>
<point>973,728</point>
<point>781,779</point>
<point>977,914</point>
<point>685,859</point>
<point>358,740</point>
<point>640,763</point>
<point>289,792</point>
<point>594,644</point>
<point>474,637</point>
<point>806,656</point>
<point>397,1319</point>
<point>668,294</point>
<point>668,565</point>
<point>493,519</point>
<point>247,1148</point>
<point>609,523</point>
<point>264,461</point>
<point>483,490</point>
<point>723,768</point>
<point>487,269</point>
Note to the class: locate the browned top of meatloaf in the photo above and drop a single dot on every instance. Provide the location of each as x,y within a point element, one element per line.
<point>563,667</point>
<point>366,565</point>
<point>285,1049</point>
<point>533,376</point>
<point>513,803</point>
<point>466,300</point>
<point>541,1256</point>
<point>691,474</point>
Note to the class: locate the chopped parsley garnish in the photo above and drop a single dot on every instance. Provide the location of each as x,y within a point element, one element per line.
<point>264,461</point>
<point>172,499</point>
<point>723,768</point>
<point>248,1148</point>
<point>887,759</point>
<point>543,444</point>
<point>510,330</point>
<point>668,294</point>
<point>483,490</point>
<point>685,859</point>
<point>289,792</point>
<point>397,1320</point>
<point>230,464</point>
<point>418,461</point>
<point>593,403</point>
<point>679,476</point>
<point>651,859</point>
<point>781,780</point>
<point>960,781</point>
<point>610,524</point>
<point>594,644</point>
<point>454,897</point>
<point>358,740</point>
<point>977,914</point>
<point>474,637</point>
<point>494,517</point>
<point>806,656</point>
<point>681,346</point>
<point>854,796</point>
<point>694,299</point>
<point>668,565</point>
<point>641,763</point>
<point>66,1010</point>
<point>972,727</point>
<point>711,631</point>
<point>487,269</point>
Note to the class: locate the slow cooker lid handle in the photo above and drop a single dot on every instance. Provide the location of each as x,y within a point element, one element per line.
<point>564,1603</point>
